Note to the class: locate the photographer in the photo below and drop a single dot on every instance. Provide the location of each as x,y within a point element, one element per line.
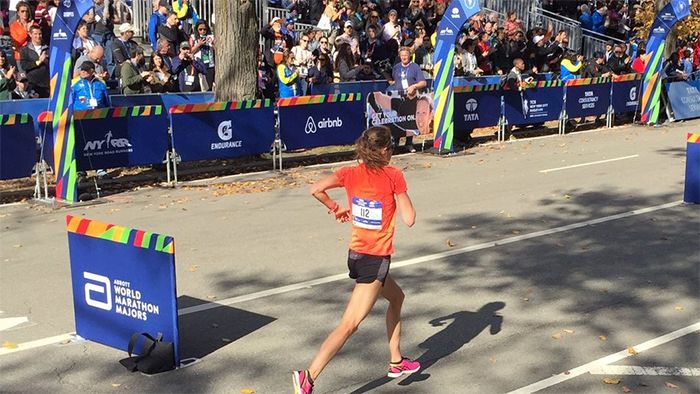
<point>34,60</point>
<point>133,78</point>
<point>191,72</point>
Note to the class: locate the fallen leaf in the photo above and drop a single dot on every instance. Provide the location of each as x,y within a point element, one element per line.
<point>567,373</point>
<point>492,360</point>
<point>247,391</point>
<point>671,385</point>
<point>557,336</point>
<point>192,268</point>
<point>214,325</point>
<point>569,331</point>
<point>116,384</point>
<point>602,337</point>
<point>516,232</point>
<point>566,196</point>
<point>450,243</point>
<point>611,381</point>
<point>631,351</point>
<point>678,308</point>
<point>211,297</point>
<point>226,340</point>
<point>525,299</point>
<point>9,345</point>
<point>626,389</point>
<point>18,246</point>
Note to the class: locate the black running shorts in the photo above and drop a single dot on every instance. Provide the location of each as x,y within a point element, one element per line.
<point>365,268</point>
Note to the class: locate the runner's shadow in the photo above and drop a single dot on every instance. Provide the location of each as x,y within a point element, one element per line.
<point>464,327</point>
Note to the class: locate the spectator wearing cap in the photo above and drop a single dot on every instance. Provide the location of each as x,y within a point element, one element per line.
<point>34,60</point>
<point>22,90</point>
<point>276,42</point>
<point>348,37</point>
<point>157,18</point>
<point>7,77</point>
<point>133,77</point>
<point>96,56</point>
<point>82,43</point>
<point>123,46</point>
<point>89,92</point>
<point>171,31</point>
<point>190,71</point>
<point>596,67</point>
<point>391,29</point>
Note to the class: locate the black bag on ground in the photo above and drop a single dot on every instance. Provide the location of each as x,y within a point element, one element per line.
<point>155,356</point>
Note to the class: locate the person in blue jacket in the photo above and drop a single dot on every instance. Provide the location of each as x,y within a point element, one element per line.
<point>586,18</point>
<point>158,17</point>
<point>89,92</point>
<point>287,77</point>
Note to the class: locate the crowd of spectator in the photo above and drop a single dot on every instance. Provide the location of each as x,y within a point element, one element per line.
<point>359,40</point>
<point>105,53</point>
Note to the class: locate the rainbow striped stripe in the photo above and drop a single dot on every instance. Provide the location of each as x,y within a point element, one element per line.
<point>12,119</point>
<point>220,106</point>
<point>119,234</point>
<point>587,81</point>
<point>319,99</point>
<point>477,88</point>
<point>627,77</point>
<point>694,138</point>
<point>119,112</point>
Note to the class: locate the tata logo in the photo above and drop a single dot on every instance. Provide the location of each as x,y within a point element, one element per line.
<point>67,3</point>
<point>455,13</point>
<point>446,32</point>
<point>107,143</point>
<point>225,130</point>
<point>60,35</point>
<point>325,123</point>
<point>633,94</point>
<point>471,106</point>
<point>98,292</point>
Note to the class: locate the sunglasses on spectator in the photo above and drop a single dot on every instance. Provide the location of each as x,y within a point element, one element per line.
<point>324,42</point>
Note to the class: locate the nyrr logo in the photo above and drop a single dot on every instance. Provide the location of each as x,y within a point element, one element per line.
<point>60,35</point>
<point>633,94</point>
<point>103,286</point>
<point>108,142</point>
<point>659,30</point>
<point>471,106</point>
<point>225,130</point>
<point>325,123</point>
<point>455,13</point>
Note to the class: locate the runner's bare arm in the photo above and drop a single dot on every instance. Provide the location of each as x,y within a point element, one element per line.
<point>319,188</point>
<point>408,214</point>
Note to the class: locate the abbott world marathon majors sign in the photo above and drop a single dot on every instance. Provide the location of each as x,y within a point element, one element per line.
<point>123,283</point>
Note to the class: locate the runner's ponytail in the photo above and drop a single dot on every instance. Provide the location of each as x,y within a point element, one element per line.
<point>372,147</point>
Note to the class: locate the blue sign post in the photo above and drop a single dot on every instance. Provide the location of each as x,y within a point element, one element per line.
<point>691,194</point>
<point>123,283</point>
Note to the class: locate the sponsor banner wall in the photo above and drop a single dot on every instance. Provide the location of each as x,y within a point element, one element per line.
<point>404,116</point>
<point>477,106</point>
<point>222,130</point>
<point>684,98</point>
<point>540,103</point>
<point>626,91</point>
<point>123,283</point>
<point>312,121</point>
<point>120,137</point>
<point>17,146</point>
<point>587,97</point>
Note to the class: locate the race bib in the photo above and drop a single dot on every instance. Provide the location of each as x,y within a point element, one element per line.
<point>366,214</point>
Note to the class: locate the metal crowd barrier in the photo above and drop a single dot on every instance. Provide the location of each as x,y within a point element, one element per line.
<point>594,42</point>
<point>522,8</point>
<point>572,27</point>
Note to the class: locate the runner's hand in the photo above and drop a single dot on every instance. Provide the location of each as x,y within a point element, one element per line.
<point>342,215</point>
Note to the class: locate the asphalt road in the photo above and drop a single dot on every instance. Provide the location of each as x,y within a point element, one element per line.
<point>529,261</point>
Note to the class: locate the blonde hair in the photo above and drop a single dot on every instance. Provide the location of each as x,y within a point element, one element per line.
<point>370,147</point>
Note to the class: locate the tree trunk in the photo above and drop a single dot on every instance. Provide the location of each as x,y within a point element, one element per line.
<point>236,33</point>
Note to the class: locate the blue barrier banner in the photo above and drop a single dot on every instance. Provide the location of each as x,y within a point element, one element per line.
<point>123,283</point>
<point>626,91</point>
<point>540,103</point>
<point>120,137</point>
<point>33,107</point>
<point>587,97</point>
<point>684,97</point>
<point>312,121</point>
<point>477,106</point>
<point>17,146</point>
<point>222,130</point>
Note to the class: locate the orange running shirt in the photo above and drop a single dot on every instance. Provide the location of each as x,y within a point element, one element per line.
<point>372,205</point>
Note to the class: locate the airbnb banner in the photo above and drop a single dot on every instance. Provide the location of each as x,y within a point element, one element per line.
<point>312,121</point>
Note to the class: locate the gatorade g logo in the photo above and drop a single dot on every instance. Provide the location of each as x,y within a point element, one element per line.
<point>633,94</point>
<point>325,123</point>
<point>103,288</point>
<point>225,130</point>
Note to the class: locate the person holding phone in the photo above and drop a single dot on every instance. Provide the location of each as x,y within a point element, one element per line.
<point>202,48</point>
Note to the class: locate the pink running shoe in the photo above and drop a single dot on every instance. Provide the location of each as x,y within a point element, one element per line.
<point>302,382</point>
<point>405,367</point>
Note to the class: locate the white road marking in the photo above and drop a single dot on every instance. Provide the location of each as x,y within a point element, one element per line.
<point>639,370</point>
<point>588,164</point>
<point>9,322</point>
<point>38,343</point>
<point>405,263</point>
<point>586,368</point>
